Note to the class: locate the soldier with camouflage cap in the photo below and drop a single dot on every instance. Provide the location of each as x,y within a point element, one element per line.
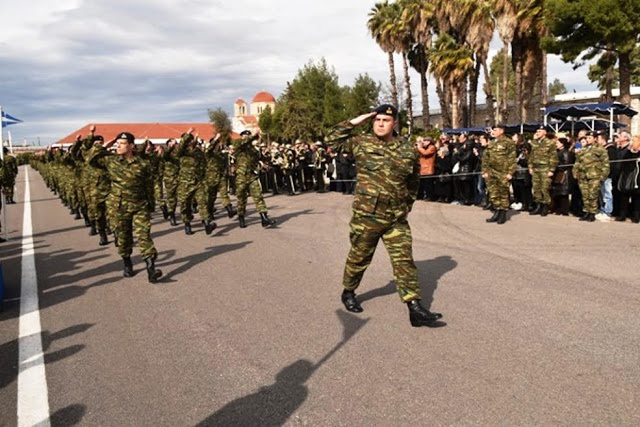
<point>247,183</point>
<point>387,185</point>
<point>132,193</point>
<point>498,166</point>
<point>542,165</point>
<point>590,169</point>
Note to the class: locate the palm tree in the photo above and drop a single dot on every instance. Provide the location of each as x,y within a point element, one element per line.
<point>451,64</point>
<point>418,16</point>
<point>379,23</point>
<point>506,18</point>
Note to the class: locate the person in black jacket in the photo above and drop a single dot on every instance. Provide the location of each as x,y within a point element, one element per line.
<point>629,181</point>
<point>562,178</point>
<point>444,187</point>
<point>522,182</point>
<point>465,179</point>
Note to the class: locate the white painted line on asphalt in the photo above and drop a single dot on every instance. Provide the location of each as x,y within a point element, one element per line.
<point>33,399</point>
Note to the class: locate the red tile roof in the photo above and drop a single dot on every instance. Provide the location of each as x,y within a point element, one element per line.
<point>240,101</point>
<point>263,97</point>
<point>145,130</point>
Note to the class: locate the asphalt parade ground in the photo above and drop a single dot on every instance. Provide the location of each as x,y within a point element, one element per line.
<point>246,326</point>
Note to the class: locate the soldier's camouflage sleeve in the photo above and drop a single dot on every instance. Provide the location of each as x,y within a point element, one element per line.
<point>341,138</point>
<point>184,142</point>
<point>96,156</point>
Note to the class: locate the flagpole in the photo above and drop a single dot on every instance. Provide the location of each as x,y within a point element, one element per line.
<point>2,198</point>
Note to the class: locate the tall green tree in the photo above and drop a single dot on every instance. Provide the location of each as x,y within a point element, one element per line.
<point>266,122</point>
<point>583,29</point>
<point>556,87</point>
<point>362,96</point>
<point>221,122</point>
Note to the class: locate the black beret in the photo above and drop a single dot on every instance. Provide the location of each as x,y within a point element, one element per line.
<point>245,132</point>
<point>98,138</point>
<point>387,110</point>
<point>591,133</point>
<point>499,126</point>
<point>128,136</point>
<point>542,127</point>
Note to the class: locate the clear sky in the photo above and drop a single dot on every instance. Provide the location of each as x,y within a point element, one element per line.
<point>66,63</point>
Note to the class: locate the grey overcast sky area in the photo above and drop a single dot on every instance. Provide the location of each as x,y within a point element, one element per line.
<point>66,63</point>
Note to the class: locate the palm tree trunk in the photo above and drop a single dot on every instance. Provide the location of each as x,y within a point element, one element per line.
<point>407,87</point>
<point>444,105</point>
<point>488,92</point>
<point>473,93</point>
<point>392,80</point>
<point>517,59</point>
<point>455,106</point>
<point>426,119</point>
<point>505,83</point>
<point>464,102</point>
<point>544,85</point>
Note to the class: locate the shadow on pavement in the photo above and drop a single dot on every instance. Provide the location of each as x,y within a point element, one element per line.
<point>429,273</point>
<point>9,351</point>
<point>191,261</point>
<point>68,416</point>
<point>272,405</point>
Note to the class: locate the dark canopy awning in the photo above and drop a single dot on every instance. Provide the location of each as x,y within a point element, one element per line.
<point>584,110</point>
<point>468,131</point>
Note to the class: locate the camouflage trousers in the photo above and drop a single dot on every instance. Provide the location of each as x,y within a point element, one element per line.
<point>98,210</point>
<point>158,192</point>
<point>9,186</point>
<point>590,189</point>
<point>395,233</point>
<point>541,186</point>
<point>127,221</point>
<point>498,188</point>
<point>218,185</point>
<point>246,185</point>
<point>171,187</point>
<point>187,193</point>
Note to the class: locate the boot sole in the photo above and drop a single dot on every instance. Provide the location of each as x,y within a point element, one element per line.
<point>430,324</point>
<point>154,278</point>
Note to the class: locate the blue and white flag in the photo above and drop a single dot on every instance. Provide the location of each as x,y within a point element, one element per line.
<point>9,120</point>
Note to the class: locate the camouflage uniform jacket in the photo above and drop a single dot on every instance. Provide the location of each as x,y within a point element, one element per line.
<point>388,172</point>
<point>499,158</point>
<point>544,155</point>
<point>192,161</point>
<point>11,165</point>
<point>247,157</point>
<point>131,182</point>
<point>171,162</point>
<point>592,162</point>
<point>216,162</point>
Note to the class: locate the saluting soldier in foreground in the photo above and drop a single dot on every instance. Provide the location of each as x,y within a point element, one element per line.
<point>132,193</point>
<point>498,166</point>
<point>387,185</point>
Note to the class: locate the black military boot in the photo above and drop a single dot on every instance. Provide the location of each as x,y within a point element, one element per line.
<point>266,221</point>
<point>502,216</point>
<point>172,217</point>
<point>537,209</point>
<point>209,227</point>
<point>241,221</point>
<point>153,274</point>
<point>494,217</point>
<point>544,211</point>
<point>187,229</point>
<point>584,217</point>
<point>77,212</point>
<point>92,229</point>
<point>350,302</point>
<point>591,217</point>
<point>165,212</point>
<point>420,316</point>
<point>128,267</point>
<point>103,238</point>
<point>230,211</point>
